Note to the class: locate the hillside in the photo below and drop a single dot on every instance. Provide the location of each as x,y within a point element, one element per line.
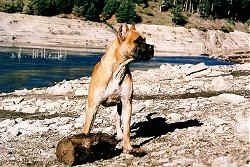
<point>26,31</point>
<point>152,15</point>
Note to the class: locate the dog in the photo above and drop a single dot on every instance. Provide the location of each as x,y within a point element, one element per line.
<point>111,81</point>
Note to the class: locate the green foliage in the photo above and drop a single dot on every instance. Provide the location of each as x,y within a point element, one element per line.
<point>227,28</point>
<point>236,10</point>
<point>78,10</point>
<point>248,22</point>
<point>63,6</point>
<point>91,13</point>
<point>178,17</point>
<point>11,6</point>
<point>126,12</point>
<point>110,8</point>
<point>204,8</point>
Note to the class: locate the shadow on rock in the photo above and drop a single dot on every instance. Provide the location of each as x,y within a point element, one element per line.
<point>155,127</point>
<point>80,148</point>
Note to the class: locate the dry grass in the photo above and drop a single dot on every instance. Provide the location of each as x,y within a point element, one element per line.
<point>152,15</point>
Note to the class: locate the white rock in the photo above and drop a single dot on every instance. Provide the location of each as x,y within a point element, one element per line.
<point>79,121</point>
<point>229,98</point>
<point>30,109</point>
<point>40,102</point>
<point>81,92</point>
<point>174,117</point>
<point>60,89</point>
<point>12,131</point>
<point>248,87</point>
<point>219,84</point>
<point>42,109</point>
<point>7,123</point>
<point>21,92</point>
<point>223,161</point>
<point>243,130</point>
<point>65,129</point>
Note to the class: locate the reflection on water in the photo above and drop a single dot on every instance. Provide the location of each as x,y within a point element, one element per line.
<point>29,72</point>
<point>19,71</point>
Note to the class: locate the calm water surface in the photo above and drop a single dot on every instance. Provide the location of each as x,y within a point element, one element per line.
<point>25,71</point>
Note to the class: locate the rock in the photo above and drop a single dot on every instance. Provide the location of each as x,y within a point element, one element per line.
<point>12,131</point>
<point>174,117</point>
<point>242,129</point>
<point>79,121</point>
<point>229,98</point>
<point>29,109</point>
<point>248,87</point>
<point>219,84</point>
<point>7,123</point>
<point>21,92</point>
<point>81,92</point>
<point>60,90</point>
<point>223,161</point>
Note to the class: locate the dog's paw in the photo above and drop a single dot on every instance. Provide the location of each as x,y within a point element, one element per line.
<point>118,137</point>
<point>137,152</point>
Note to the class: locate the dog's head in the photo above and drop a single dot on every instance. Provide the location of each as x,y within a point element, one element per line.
<point>133,45</point>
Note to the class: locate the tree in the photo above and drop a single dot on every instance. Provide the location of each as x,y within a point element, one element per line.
<point>110,8</point>
<point>126,12</point>
<point>91,13</point>
<point>178,17</point>
<point>63,6</point>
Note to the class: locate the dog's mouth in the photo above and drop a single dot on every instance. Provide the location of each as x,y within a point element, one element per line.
<point>144,52</point>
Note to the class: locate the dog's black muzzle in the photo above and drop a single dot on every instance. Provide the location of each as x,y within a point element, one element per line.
<point>143,52</point>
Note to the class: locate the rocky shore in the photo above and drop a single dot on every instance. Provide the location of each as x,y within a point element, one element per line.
<point>25,31</point>
<point>183,115</point>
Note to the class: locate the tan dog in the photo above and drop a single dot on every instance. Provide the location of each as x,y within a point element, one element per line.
<point>111,81</point>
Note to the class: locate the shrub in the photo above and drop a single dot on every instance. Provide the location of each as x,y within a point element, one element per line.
<point>11,6</point>
<point>227,28</point>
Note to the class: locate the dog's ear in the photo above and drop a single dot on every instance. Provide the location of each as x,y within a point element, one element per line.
<point>119,34</point>
<point>132,27</point>
<point>126,28</point>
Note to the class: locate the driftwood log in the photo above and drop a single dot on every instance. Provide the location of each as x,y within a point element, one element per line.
<point>81,148</point>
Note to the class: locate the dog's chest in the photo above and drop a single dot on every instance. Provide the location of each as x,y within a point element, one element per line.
<point>112,97</point>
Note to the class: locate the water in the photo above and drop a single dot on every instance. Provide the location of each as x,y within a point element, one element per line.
<point>26,71</point>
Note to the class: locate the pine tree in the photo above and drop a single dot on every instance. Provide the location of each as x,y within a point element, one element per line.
<point>91,13</point>
<point>110,8</point>
<point>178,17</point>
<point>126,12</point>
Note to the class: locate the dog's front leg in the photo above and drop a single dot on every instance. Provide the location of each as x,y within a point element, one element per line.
<point>126,119</point>
<point>117,119</point>
<point>90,117</point>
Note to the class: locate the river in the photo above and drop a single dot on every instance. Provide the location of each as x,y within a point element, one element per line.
<point>20,71</point>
